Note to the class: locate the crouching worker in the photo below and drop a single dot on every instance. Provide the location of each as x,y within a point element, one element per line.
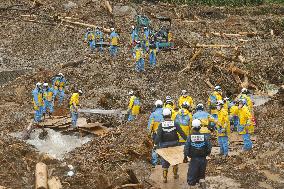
<point>167,136</point>
<point>197,147</point>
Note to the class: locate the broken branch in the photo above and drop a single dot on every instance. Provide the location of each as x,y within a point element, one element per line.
<point>195,55</point>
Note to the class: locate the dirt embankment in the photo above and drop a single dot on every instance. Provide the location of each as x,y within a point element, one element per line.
<point>39,50</point>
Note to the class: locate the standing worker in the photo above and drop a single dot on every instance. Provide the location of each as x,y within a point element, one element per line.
<point>185,98</point>
<point>113,42</point>
<point>244,124</point>
<point>184,119</point>
<point>139,57</point>
<point>38,102</point>
<point>146,36</point>
<point>58,85</point>
<point>134,36</point>
<point>223,128</point>
<point>234,118</point>
<point>169,103</point>
<point>89,38</point>
<point>98,39</point>
<point>48,97</point>
<point>153,54</point>
<point>74,105</point>
<point>167,136</point>
<point>155,119</point>
<point>204,118</point>
<point>197,147</point>
<point>212,101</point>
<point>134,106</point>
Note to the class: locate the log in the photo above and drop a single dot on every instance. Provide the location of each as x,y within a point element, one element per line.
<point>133,179</point>
<point>54,183</point>
<point>108,6</point>
<point>131,186</point>
<point>195,55</point>
<point>209,83</point>
<point>41,176</point>
<point>214,46</point>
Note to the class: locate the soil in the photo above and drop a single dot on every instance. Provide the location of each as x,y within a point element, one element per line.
<point>32,52</point>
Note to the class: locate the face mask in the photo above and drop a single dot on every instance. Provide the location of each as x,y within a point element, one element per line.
<point>218,107</point>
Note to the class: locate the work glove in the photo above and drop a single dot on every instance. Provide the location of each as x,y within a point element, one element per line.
<point>185,160</point>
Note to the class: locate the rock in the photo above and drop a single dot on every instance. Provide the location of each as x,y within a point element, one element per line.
<point>70,5</point>
<point>70,173</point>
<point>267,144</point>
<point>124,11</point>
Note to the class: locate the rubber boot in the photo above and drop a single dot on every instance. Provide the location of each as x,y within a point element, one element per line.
<point>165,175</point>
<point>175,171</point>
<point>202,183</point>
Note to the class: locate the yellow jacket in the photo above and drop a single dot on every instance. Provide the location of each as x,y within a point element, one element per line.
<point>74,101</point>
<point>183,99</point>
<point>134,105</point>
<point>223,123</point>
<point>212,100</point>
<point>245,120</point>
<point>37,99</point>
<point>184,118</point>
<point>249,101</point>
<point>48,94</point>
<point>138,53</point>
<point>234,110</point>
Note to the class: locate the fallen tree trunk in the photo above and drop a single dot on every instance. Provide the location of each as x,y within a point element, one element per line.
<point>41,176</point>
<point>108,6</point>
<point>214,46</point>
<point>54,183</point>
<point>195,55</point>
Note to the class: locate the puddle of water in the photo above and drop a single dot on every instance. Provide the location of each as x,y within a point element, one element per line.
<point>260,100</point>
<point>56,144</point>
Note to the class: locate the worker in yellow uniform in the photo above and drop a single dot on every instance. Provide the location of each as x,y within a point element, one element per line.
<point>223,128</point>
<point>212,101</point>
<point>185,98</point>
<point>204,118</point>
<point>184,119</point>
<point>244,124</point>
<point>134,106</point>
<point>169,103</point>
<point>74,105</point>
<point>113,42</point>
<point>38,102</point>
<point>48,97</point>
<point>233,115</point>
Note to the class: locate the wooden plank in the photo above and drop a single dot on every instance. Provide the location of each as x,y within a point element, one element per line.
<point>174,155</point>
<point>41,176</point>
<point>96,130</point>
<point>54,183</point>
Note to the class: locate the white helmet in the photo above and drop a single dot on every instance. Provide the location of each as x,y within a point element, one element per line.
<point>158,103</point>
<point>167,112</point>
<point>226,98</point>
<point>218,88</point>
<point>196,123</point>
<point>111,29</point>
<point>80,91</point>
<point>131,92</point>
<point>168,98</point>
<point>220,102</point>
<point>61,74</point>
<point>133,27</point>
<point>244,90</point>
<point>38,84</point>
<point>183,92</point>
<point>45,84</point>
<point>200,106</point>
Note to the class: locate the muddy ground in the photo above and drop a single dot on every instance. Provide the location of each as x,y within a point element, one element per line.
<point>34,51</point>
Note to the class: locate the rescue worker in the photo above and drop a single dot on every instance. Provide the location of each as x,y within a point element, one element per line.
<point>234,118</point>
<point>204,117</point>
<point>89,37</point>
<point>155,119</point>
<point>184,119</point>
<point>185,97</point>
<point>113,42</point>
<point>139,57</point>
<point>146,36</point>
<point>244,124</point>
<point>245,94</point>
<point>169,103</point>
<point>48,98</point>
<point>74,105</point>
<point>226,101</point>
<point>134,106</point>
<point>223,128</point>
<point>197,147</point>
<point>134,36</point>
<point>98,39</point>
<point>58,85</point>
<point>212,101</point>
<point>167,136</point>
<point>153,54</point>
<point>38,102</point>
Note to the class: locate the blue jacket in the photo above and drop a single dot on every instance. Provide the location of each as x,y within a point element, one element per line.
<point>156,116</point>
<point>200,115</point>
